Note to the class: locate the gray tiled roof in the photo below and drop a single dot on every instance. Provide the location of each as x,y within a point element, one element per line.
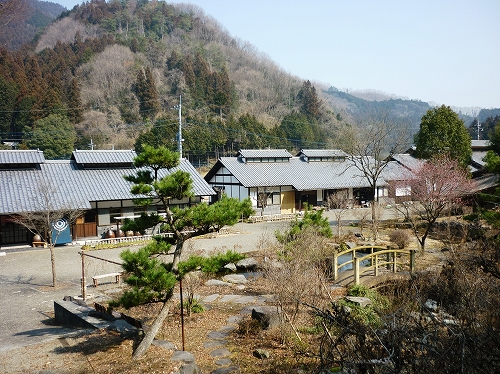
<point>480,144</point>
<point>104,156</point>
<point>477,157</point>
<point>257,153</point>
<point>20,190</point>
<point>408,160</point>
<point>323,153</point>
<point>298,173</point>
<point>21,157</point>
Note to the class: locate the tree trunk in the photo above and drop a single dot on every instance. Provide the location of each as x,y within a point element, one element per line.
<point>374,220</point>
<point>150,335</point>
<point>53,263</point>
<point>177,254</point>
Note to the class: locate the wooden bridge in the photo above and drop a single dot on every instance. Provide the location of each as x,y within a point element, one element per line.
<point>371,261</point>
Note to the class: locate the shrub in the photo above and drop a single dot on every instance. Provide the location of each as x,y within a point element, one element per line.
<point>400,237</point>
<point>192,305</point>
<point>213,264</point>
<point>249,326</point>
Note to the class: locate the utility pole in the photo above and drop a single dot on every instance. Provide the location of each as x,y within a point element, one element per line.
<point>179,134</point>
<point>180,127</point>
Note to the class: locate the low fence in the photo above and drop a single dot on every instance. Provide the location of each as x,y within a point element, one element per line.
<point>124,239</point>
<point>273,217</point>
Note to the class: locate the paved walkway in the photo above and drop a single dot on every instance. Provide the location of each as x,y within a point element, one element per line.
<point>25,278</point>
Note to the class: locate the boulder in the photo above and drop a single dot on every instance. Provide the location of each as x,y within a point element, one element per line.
<point>261,353</point>
<point>247,264</point>
<point>230,267</point>
<point>235,278</point>
<point>359,301</point>
<point>267,316</point>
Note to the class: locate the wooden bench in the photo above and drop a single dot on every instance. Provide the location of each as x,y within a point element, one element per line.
<point>96,278</point>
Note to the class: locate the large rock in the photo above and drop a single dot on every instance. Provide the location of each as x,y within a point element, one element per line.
<point>235,278</point>
<point>183,356</point>
<point>359,301</point>
<point>190,369</point>
<point>267,316</point>
<point>261,353</point>
<point>247,264</point>
<point>216,282</point>
<point>231,267</point>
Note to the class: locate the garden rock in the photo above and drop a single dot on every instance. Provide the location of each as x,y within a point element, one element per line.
<point>230,267</point>
<point>267,316</point>
<point>216,282</point>
<point>190,369</point>
<point>247,264</point>
<point>235,278</point>
<point>261,353</point>
<point>183,356</point>
<point>359,301</point>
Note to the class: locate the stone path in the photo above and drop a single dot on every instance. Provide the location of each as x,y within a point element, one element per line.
<point>217,340</point>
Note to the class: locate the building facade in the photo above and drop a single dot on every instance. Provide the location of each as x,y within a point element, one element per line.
<point>91,181</point>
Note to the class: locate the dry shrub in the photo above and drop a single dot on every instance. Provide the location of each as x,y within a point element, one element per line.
<point>249,326</point>
<point>298,272</point>
<point>459,333</point>
<point>400,237</point>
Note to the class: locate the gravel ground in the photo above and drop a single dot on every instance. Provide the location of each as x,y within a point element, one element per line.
<point>28,341</point>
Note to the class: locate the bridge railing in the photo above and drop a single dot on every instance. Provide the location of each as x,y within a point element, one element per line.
<point>379,257</point>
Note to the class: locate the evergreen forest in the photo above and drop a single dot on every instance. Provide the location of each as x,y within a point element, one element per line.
<point>112,75</point>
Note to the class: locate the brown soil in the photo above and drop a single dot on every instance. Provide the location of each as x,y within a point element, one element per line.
<point>107,352</point>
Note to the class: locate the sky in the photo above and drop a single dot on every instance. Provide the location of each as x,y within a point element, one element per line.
<point>438,51</point>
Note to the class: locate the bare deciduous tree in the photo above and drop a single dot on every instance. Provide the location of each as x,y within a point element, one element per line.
<point>369,147</point>
<point>12,11</point>
<point>263,194</point>
<point>340,203</point>
<point>47,215</point>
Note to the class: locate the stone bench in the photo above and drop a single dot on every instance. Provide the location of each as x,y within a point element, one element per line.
<point>96,278</point>
<point>39,244</point>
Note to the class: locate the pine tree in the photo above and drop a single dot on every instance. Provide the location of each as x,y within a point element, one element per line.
<point>309,103</point>
<point>75,112</point>
<point>146,93</point>
<point>155,280</point>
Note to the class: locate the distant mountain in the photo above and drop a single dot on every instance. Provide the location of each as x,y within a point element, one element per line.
<point>115,69</point>
<point>405,111</point>
<point>26,19</point>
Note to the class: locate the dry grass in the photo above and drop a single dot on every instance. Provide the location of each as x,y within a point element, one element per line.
<point>107,352</point>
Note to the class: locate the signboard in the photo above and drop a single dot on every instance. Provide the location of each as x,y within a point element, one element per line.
<point>60,232</point>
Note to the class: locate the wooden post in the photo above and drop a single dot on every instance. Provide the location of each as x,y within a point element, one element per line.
<point>335,266</point>
<point>356,270</point>
<point>376,265</point>
<point>182,316</point>
<point>84,285</point>
<point>412,261</point>
<point>394,257</point>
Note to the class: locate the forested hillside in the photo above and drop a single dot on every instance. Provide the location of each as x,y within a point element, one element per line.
<point>21,20</point>
<point>112,74</point>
